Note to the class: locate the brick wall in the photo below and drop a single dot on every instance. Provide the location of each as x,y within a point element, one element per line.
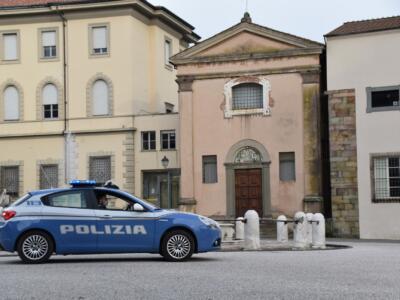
<point>343,159</point>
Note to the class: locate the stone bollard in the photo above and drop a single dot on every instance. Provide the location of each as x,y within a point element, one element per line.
<point>318,231</point>
<point>252,231</point>
<point>282,230</point>
<point>239,229</point>
<point>300,230</point>
<point>309,217</point>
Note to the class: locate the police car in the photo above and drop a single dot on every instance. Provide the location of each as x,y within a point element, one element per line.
<point>87,219</point>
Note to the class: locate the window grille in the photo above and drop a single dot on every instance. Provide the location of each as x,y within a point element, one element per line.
<point>287,170</point>
<point>386,179</point>
<point>100,169</point>
<point>210,169</point>
<point>48,176</point>
<point>148,140</point>
<point>168,140</point>
<point>247,96</point>
<point>10,180</point>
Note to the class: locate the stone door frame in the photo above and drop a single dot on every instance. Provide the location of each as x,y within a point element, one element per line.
<point>231,166</point>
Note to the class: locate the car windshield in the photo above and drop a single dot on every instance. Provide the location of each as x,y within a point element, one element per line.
<point>148,204</point>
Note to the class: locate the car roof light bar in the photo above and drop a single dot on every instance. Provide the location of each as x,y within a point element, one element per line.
<point>82,183</point>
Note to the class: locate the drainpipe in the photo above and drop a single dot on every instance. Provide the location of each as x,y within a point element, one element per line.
<point>65,88</point>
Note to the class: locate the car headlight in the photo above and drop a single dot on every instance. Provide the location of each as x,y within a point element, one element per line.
<point>209,222</point>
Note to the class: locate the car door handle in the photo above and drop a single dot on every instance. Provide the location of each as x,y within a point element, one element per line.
<point>106,217</point>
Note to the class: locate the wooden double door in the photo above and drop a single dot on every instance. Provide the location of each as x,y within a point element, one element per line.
<point>248,191</point>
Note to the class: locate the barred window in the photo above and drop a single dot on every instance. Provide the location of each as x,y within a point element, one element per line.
<point>210,169</point>
<point>100,169</point>
<point>148,140</point>
<point>168,141</point>
<point>287,171</point>
<point>386,179</point>
<point>48,176</point>
<point>247,96</point>
<point>10,180</point>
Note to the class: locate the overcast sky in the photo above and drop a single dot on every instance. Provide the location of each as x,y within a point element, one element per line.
<point>307,18</point>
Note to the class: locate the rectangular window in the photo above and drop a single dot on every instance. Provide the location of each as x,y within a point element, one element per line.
<point>69,199</point>
<point>10,46</point>
<point>100,169</point>
<point>168,140</point>
<point>287,170</point>
<point>386,178</point>
<point>50,111</point>
<point>99,40</point>
<point>49,44</point>
<point>383,98</point>
<point>210,169</point>
<point>247,96</point>
<point>148,140</point>
<point>48,176</point>
<point>167,51</point>
<point>10,180</point>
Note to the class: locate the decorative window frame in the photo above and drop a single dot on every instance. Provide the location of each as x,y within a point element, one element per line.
<point>42,58</point>
<point>6,84</point>
<point>20,165</point>
<point>373,156</point>
<point>50,161</point>
<point>228,92</point>
<point>39,98</point>
<point>89,95</point>
<point>369,90</point>
<point>12,61</point>
<point>90,40</point>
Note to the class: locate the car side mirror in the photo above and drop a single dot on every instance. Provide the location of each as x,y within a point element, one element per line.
<point>138,207</point>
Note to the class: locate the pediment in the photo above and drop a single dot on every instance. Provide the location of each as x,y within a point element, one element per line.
<point>245,39</point>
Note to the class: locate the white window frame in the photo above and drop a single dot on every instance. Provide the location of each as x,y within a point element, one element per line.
<point>41,31</point>
<point>385,179</point>
<point>168,46</point>
<point>91,40</point>
<point>228,92</point>
<point>10,61</point>
<point>52,105</point>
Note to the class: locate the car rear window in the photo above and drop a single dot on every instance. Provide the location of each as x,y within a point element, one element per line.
<point>75,199</point>
<point>20,200</point>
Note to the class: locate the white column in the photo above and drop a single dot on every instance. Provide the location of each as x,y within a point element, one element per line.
<point>239,229</point>
<point>309,217</point>
<point>300,230</point>
<point>252,231</point>
<point>318,231</point>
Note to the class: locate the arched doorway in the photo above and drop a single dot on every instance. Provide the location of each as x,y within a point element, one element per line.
<point>248,182</point>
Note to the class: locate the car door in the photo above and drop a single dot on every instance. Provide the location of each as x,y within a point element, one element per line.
<point>120,229</point>
<point>69,217</point>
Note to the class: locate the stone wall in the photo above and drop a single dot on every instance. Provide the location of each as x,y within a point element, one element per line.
<point>343,158</point>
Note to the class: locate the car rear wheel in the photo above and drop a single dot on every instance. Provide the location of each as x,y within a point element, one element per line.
<point>177,245</point>
<point>35,247</point>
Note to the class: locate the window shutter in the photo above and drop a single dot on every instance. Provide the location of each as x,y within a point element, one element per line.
<point>11,103</point>
<point>10,46</point>
<point>99,37</point>
<point>50,94</point>
<point>100,98</point>
<point>48,38</point>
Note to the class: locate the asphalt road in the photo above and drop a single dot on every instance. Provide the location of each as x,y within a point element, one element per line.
<point>369,270</point>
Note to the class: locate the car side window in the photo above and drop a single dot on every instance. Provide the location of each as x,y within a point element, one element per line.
<point>110,201</point>
<point>73,199</point>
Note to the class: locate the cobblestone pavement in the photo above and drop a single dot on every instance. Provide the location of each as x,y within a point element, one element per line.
<point>368,270</point>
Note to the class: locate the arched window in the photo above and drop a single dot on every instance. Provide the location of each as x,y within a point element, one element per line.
<point>11,103</point>
<point>247,96</point>
<point>50,101</point>
<point>100,98</point>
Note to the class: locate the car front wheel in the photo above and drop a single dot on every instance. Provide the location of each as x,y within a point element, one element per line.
<point>35,247</point>
<point>177,245</point>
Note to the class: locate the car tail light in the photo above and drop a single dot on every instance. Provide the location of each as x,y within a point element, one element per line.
<point>8,214</point>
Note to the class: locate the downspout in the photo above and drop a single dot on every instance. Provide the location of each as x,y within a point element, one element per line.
<point>65,83</point>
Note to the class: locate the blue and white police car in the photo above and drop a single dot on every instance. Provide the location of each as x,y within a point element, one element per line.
<point>87,219</point>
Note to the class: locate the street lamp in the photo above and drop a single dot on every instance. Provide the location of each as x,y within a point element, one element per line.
<point>165,162</point>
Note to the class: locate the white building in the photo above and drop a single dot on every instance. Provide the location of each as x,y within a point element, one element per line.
<point>363,62</point>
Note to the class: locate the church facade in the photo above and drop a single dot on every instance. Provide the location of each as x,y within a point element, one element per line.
<point>250,123</point>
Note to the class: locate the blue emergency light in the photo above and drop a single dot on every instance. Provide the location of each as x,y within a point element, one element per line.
<point>82,183</point>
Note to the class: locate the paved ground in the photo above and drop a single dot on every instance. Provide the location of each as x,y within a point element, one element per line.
<point>369,270</point>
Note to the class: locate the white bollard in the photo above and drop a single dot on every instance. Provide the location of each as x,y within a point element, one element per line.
<point>318,231</point>
<point>239,229</point>
<point>300,230</point>
<point>282,230</point>
<point>309,218</point>
<point>252,231</point>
